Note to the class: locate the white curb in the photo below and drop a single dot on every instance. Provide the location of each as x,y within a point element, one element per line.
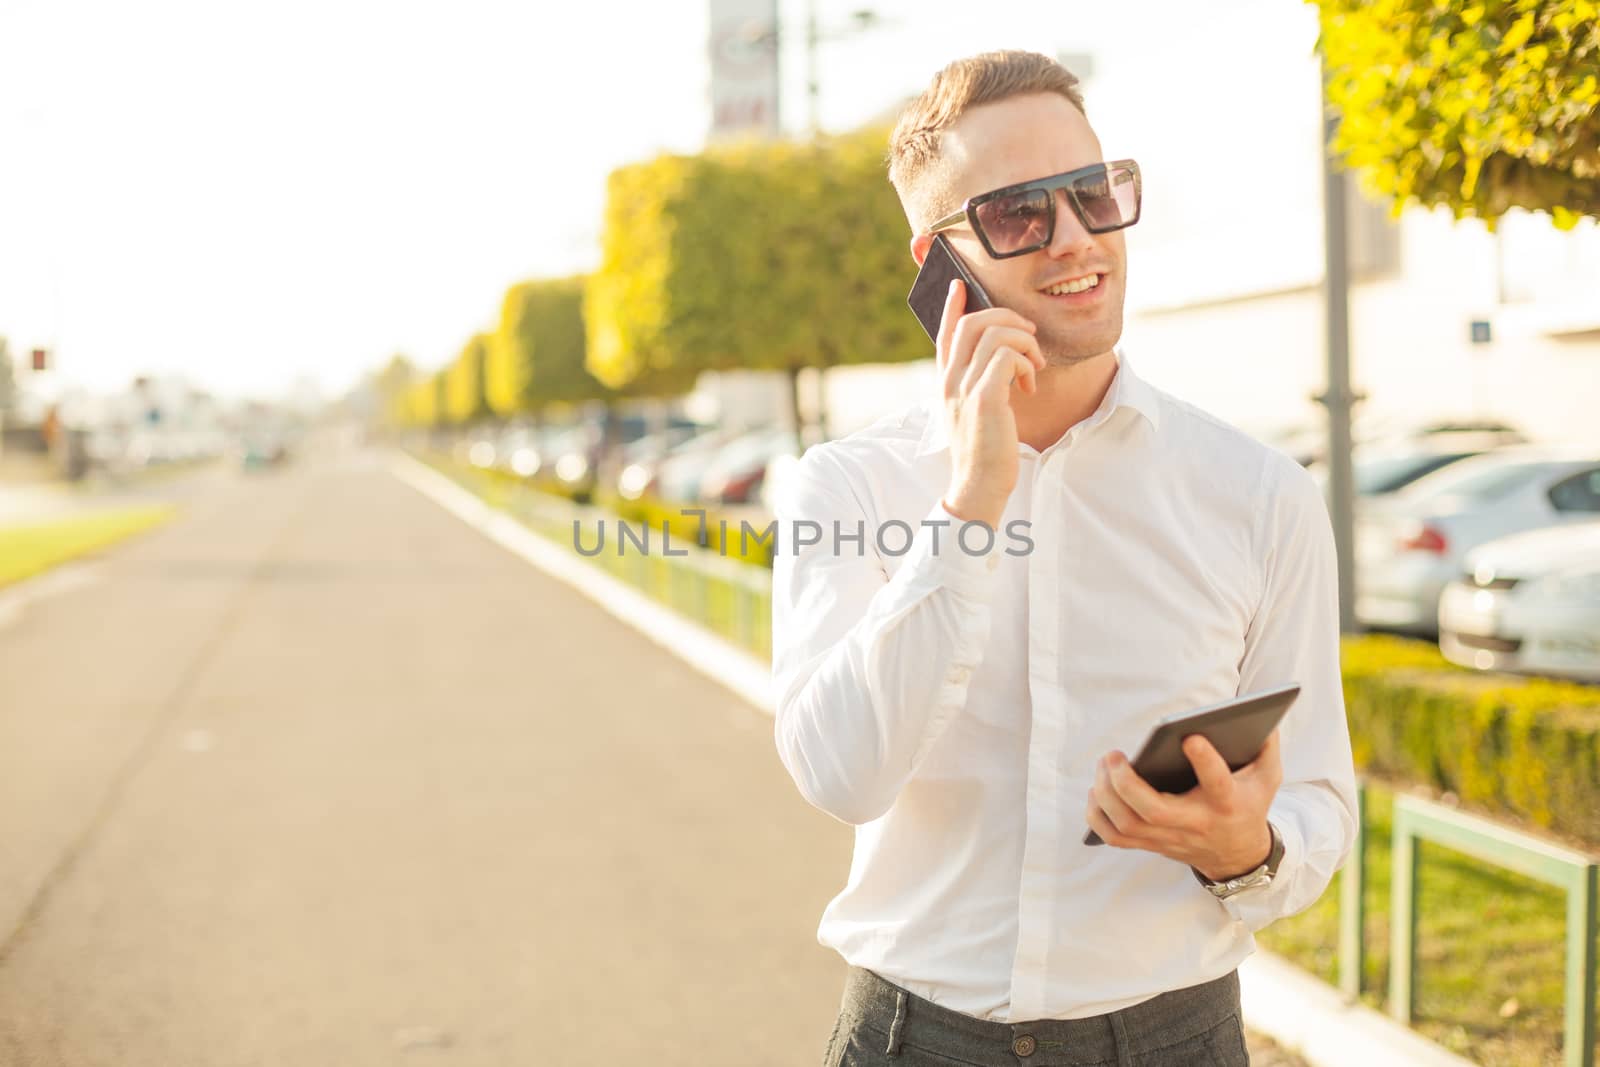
<point>1310,1017</point>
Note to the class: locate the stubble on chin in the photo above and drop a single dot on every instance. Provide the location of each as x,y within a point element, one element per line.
<point>1067,348</point>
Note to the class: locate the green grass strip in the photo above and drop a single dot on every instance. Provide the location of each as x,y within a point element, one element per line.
<point>30,549</point>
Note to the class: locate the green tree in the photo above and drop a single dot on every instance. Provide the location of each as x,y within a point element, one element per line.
<point>1478,106</point>
<point>775,256</point>
<point>538,354</point>
<point>464,397</point>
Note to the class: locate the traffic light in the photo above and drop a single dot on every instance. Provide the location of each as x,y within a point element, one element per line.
<point>41,359</point>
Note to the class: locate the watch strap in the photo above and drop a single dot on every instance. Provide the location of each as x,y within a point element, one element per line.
<point>1260,875</point>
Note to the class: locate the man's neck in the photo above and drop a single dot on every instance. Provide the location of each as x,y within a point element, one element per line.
<point>1066,396</point>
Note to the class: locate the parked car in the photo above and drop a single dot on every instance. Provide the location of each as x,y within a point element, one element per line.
<point>1411,544</point>
<point>1393,465</point>
<point>1528,603</point>
<point>735,475</point>
<point>643,458</point>
<point>677,477</point>
<point>578,455</point>
<point>521,450</point>
<point>1308,443</point>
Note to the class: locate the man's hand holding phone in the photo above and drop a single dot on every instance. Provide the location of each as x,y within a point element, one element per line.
<point>981,358</point>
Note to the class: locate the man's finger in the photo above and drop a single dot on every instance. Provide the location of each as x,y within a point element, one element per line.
<point>992,344</point>
<point>955,302</point>
<point>994,384</point>
<point>1102,826</point>
<point>1268,763</point>
<point>1147,802</point>
<point>946,351</point>
<point>1209,766</point>
<point>1124,818</point>
<point>963,365</point>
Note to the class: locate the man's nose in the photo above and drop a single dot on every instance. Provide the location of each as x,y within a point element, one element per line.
<point>1070,235</point>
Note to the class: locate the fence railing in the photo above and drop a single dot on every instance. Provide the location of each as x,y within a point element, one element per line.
<point>1417,821</point>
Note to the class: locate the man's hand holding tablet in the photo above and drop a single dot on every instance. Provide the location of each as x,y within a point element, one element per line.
<point>1200,788</point>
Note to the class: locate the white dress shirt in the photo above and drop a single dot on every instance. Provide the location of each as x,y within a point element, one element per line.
<point>951,703</point>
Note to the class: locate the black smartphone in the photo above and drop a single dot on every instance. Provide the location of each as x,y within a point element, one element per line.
<point>1236,728</point>
<point>932,287</point>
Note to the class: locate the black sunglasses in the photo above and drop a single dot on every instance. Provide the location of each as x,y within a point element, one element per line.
<point>1018,219</point>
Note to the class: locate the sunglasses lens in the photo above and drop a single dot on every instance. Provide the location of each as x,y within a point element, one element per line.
<point>1017,221</point>
<point>1110,199</point>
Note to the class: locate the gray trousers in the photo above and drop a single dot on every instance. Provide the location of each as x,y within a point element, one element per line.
<point>882,1025</point>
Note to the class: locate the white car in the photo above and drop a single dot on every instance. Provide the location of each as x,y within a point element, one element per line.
<point>1529,603</point>
<point>1411,546</point>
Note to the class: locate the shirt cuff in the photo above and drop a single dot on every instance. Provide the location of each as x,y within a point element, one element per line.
<point>960,554</point>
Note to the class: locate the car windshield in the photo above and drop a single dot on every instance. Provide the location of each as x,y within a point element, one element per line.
<point>1385,474</point>
<point>1471,482</point>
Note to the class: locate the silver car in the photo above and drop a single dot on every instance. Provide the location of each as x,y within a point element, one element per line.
<point>1411,546</point>
<point>1528,603</point>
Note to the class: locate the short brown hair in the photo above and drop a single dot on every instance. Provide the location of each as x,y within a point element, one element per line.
<point>986,78</point>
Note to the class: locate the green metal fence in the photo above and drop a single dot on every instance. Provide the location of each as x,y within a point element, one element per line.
<point>1417,821</point>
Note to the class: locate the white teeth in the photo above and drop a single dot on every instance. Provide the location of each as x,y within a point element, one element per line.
<point>1077,285</point>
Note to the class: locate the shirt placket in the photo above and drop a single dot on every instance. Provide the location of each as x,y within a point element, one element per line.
<point>1046,806</point>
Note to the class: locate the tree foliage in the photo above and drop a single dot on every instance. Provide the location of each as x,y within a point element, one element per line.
<point>1478,106</point>
<point>774,255</point>
<point>464,397</point>
<point>537,356</point>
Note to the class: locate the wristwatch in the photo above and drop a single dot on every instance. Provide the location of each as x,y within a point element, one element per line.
<point>1260,877</point>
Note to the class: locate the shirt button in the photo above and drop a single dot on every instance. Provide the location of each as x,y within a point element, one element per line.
<point>1024,1045</point>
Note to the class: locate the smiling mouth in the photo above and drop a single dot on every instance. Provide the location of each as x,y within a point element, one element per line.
<point>1081,284</point>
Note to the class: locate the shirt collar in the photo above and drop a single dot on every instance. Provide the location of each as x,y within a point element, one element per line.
<point>1127,390</point>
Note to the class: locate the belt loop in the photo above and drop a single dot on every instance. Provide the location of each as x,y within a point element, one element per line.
<point>899,1023</point>
<point>1119,1037</point>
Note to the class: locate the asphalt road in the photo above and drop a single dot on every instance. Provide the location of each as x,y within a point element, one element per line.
<point>318,775</point>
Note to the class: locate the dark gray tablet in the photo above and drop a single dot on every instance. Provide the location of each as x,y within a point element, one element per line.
<point>1236,728</point>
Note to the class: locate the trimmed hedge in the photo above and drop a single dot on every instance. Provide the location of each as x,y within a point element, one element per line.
<point>1527,748</point>
<point>654,513</point>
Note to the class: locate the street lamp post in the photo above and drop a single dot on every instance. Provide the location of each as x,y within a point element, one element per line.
<point>1338,398</point>
<point>861,21</point>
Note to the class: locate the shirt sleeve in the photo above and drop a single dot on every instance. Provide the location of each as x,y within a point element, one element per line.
<point>868,671</point>
<point>1294,637</point>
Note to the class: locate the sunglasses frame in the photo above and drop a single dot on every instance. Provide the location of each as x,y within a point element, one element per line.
<point>969,210</point>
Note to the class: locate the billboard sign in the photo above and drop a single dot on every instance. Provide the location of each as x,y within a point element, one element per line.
<point>744,68</point>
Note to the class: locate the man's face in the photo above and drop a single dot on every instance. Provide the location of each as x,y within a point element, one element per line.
<point>1018,140</point>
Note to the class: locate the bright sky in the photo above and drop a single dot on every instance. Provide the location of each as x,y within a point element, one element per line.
<point>247,195</point>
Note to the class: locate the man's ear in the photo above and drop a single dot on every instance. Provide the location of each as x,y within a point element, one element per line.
<point>919,247</point>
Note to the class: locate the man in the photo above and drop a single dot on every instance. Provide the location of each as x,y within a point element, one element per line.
<point>1089,555</point>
